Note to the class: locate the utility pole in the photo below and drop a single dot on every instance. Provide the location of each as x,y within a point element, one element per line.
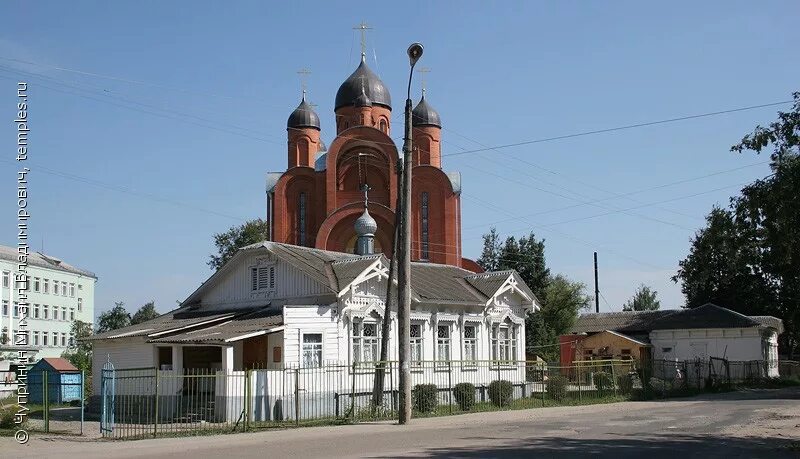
<point>404,257</point>
<point>596,287</point>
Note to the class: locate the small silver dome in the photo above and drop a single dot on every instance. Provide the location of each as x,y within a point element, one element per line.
<point>365,225</point>
<point>303,116</point>
<point>425,115</point>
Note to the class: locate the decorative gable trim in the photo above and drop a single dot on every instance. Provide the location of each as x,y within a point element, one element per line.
<point>511,284</point>
<point>376,269</point>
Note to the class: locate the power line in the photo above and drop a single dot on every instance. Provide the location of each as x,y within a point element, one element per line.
<point>620,128</point>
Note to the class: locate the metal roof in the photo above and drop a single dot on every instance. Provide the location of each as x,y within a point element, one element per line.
<point>626,321</point>
<point>178,319</point>
<point>237,328</point>
<point>425,115</point>
<point>374,88</point>
<point>303,116</point>
<point>42,260</point>
<point>707,316</point>
<point>347,270</point>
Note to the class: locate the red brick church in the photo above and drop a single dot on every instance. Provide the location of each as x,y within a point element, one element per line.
<point>316,201</point>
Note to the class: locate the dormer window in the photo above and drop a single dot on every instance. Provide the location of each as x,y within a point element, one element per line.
<point>262,278</point>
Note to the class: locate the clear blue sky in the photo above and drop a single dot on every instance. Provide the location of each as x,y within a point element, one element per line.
<point>223,82</point>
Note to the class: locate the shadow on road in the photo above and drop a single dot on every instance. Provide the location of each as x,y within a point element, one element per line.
<point>651,447</point>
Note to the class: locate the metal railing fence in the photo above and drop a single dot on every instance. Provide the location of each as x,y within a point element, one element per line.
<point>148,403</point>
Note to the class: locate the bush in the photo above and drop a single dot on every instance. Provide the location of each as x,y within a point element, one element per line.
<point>501,392</point>
<point>625,384</point>
<point>426,397</point>
<point>557,387</point>
<point>602,381</point>
<point>8,410</point>
<point>465,395</point>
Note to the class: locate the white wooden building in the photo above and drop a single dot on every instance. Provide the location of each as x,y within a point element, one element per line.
<point>274,306</point>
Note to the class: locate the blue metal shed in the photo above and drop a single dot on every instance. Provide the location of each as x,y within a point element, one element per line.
<point>63,381</point>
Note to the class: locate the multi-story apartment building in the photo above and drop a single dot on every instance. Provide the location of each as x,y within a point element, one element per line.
<point>58,295</point>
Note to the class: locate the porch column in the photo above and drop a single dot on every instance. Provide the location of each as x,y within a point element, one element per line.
<point>227,359</point>
<point>177,365</point>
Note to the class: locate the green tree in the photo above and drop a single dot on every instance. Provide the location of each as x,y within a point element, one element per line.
<point>748,257</point>
<point>562,301</point>
<point>114,318</point>
<point>229,242</point>
<point>145,313</point>
<point>79,352</point>
<point>490,256</point>
<point>644,299</point>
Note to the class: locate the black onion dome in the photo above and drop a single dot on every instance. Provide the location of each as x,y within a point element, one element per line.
<point>374,88</point>
<point>425,115</point>
<point>363,100</point>
<point>303,116</point>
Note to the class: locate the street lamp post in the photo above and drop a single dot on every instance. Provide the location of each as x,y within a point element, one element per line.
<point>404,255</point>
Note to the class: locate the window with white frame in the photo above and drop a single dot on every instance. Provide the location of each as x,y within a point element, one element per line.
<point>55,287</point>
<point>45,339</point>
<point>36,338</point>
<point>63,313</point>
<point>55,312</point>
<point>16,309</point>
<point>45,311</point>
<point>46,286</point>
<point>63,340</point>
<point>55,338</point>
<point>312,349</point>
<point>37,284</point>
<point>72,290</point>
<point>36,311</point>
<point>365,341</point>
<point>71,314</point>
<point>470,340</point>
<point>443,342</point>
<point>5,307</point>
<point>6,279</point>
<point>416,344</point>
<point>80,304</point>
<point>262,278</point>
<point>4,338</point>
<point>64,291</point>
<point>504,342</point>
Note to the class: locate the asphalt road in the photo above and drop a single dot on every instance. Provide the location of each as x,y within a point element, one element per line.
<point>754,424</point>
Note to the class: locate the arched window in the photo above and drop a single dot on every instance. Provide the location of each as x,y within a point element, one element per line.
<point>424,235</point>
<point>383,125</point>
<point>301,220</point>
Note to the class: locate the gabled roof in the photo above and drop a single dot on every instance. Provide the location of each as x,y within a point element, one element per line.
<point>625,321</point>
<point>348,269</point>
<point>488,283</point>
<point>60,364</point>
<point>43,261</point>
<point>336,270</point>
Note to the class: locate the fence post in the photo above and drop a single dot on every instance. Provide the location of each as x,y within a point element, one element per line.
<point>500,394</point>
<point>83,402</point>
<point>155,411</point>
<point>297,396</point>
<point>544,386</point>
<point>580,382</point>
<point>450,384</point>
<point>46,400</point>
<point>247,399</point>
<point>353,394</point>
<point>613,378</point>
